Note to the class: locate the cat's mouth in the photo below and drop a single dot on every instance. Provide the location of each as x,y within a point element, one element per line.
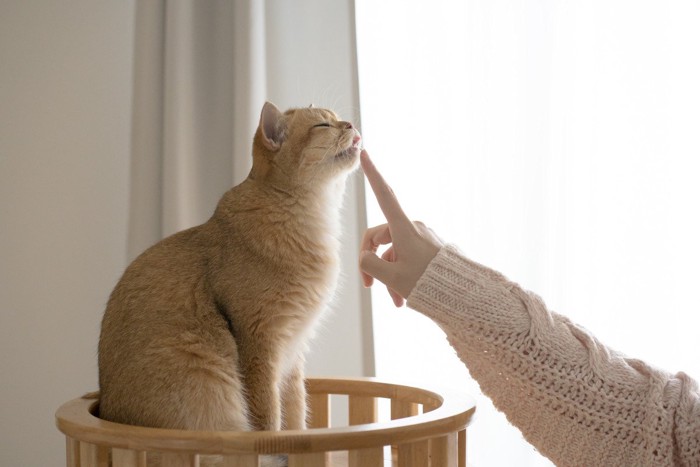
<point>352,150</point>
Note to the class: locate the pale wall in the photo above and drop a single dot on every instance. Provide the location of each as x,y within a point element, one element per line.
<point>65,73</point>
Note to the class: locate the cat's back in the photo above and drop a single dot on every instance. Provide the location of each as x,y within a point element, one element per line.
<point>159,328</point>
<point>161,275</point>
<point>148,298</point>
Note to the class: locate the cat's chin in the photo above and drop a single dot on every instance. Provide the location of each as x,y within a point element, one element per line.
<point>351,154</point>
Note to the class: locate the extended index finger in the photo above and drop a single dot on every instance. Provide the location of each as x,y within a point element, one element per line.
<point>386,198</point>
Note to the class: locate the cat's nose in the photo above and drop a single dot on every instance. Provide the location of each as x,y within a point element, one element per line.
<point>348,126</point>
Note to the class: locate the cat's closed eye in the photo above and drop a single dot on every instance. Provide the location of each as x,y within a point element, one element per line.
<point>322,125</point>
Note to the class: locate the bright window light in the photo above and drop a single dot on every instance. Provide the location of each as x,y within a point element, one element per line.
<point>557,142</point>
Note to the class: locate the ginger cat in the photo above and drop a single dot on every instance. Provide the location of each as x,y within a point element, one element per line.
<point>207,329</point>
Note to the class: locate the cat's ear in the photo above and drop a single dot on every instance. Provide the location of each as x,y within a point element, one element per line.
<point>271,125</point>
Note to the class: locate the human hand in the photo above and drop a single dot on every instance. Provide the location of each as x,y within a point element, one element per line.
<point>412,244</point>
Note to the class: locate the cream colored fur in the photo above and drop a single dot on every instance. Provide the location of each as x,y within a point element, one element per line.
<point>207,329</point>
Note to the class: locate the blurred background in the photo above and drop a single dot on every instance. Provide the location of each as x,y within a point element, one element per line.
<point>553,141</point>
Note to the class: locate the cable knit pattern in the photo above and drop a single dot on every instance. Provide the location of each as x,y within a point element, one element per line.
<point>578,402</point>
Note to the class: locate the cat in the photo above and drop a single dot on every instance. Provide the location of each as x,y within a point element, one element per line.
<point>207,329</point>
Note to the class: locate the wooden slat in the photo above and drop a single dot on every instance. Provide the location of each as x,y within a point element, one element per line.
<point>319,406</point>
<point>443,451</point>
<point>362,410</point>
<point>176,459</point>
<point>432,405</point>
<point>415,454</point>
<point>371,457</point>
<point>72,452</point>
<point>402,409</point>
<point>462,448</point>
<point>420,454</point>
<point>370,387</point>
<point>241,460</point>
<point>314,459</point>
<point>128,458</point>
<point>404,455</point>
<point>93,456</point>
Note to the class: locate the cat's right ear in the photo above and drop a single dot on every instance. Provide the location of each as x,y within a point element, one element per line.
<point>271,125</point>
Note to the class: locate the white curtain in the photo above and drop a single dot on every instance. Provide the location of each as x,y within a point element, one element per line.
<point>556,142</point>
<point>199,84</point>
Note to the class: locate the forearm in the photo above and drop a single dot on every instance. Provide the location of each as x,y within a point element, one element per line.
<point>574,399</point>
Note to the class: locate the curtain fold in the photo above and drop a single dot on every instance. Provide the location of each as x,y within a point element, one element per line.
<point>199,82</point>
<point>145,192</point>
<point>249,79</point>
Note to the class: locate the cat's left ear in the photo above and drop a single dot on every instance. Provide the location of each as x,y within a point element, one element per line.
<point>271,125</point>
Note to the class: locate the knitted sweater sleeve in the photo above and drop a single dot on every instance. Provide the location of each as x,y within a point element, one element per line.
<point>575,400</point>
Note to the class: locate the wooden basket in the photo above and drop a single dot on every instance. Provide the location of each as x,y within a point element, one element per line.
<point>426,429</point>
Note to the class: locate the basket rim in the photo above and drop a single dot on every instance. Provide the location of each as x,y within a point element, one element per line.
<point>454,413</point>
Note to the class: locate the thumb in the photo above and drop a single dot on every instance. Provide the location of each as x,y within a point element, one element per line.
<point>374,266</point>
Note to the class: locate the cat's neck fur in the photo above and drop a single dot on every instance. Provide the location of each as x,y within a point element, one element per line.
<point>304,219</point>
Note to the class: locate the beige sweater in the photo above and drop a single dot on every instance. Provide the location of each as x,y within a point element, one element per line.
<point>578,402</point>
